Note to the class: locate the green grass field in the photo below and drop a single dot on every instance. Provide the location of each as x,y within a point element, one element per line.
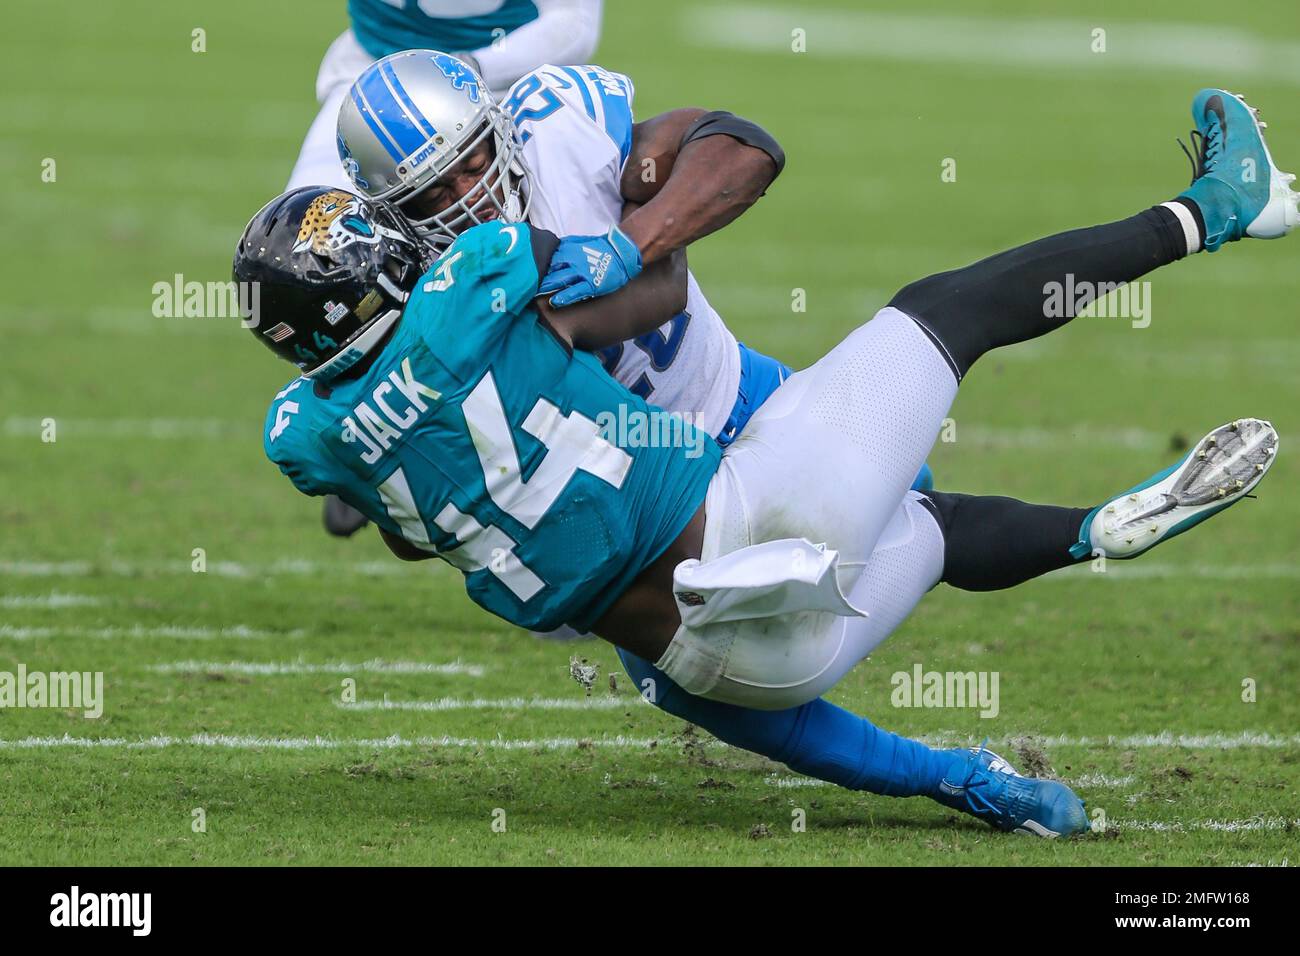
<point>1128,684</point>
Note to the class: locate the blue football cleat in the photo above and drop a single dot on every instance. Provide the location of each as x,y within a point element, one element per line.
<point>984,785</point>
<point>1221,470</point>
<point>1239,190</point>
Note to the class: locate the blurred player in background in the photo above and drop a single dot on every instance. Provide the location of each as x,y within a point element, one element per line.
<point>501,39</point>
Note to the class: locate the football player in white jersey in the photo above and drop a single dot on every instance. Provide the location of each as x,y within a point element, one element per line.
<point>503,40</point>
<point>564,151</point>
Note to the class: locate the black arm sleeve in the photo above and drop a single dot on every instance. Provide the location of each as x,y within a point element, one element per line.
<point>723,123</point>
<point>544,245</point>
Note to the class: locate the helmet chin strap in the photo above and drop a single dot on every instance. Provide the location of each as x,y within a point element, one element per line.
<point>359,347</point>
<point>513,206</point>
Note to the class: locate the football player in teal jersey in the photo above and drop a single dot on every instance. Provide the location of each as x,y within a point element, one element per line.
<point>423,435</point>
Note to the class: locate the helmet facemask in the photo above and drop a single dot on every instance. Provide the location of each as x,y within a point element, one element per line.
<point>410,119</point>
<point>502,193</point>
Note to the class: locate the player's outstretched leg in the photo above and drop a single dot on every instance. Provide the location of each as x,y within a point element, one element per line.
<point>992,543</point>
<point>821,740</point>
<point>984,785</point>
<point>1223,468</point>
<point>831,454</point>
<point>888,386</point>
<point>1237,192</point>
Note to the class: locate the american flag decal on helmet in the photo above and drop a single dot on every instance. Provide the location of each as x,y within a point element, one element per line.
<point>280,332</point>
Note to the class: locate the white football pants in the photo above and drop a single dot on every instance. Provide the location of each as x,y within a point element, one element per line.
<point>829,457</point>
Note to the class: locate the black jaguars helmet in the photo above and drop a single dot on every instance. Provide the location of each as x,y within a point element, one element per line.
<point>333,271</point>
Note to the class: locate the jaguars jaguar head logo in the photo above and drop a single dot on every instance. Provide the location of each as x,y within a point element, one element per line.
<point>333,221</point>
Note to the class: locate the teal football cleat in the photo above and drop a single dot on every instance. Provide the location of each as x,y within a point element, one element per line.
<point>1221,470</point>
<point>1235,183</point>
<point>985,786</point>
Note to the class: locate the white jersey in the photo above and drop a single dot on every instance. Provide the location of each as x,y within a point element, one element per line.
<point>576,126</point>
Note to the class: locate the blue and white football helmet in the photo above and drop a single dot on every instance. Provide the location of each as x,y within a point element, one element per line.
<point>408,119</point>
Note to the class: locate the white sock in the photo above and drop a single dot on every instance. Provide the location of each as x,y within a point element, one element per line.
<point>1190,230</point>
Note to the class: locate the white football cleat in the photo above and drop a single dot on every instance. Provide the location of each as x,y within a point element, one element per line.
<point>1220,471</point>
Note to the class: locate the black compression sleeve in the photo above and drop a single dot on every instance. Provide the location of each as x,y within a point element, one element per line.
<point>723,123</point>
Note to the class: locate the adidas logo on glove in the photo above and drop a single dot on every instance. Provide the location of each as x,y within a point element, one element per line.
<point>599,264</point>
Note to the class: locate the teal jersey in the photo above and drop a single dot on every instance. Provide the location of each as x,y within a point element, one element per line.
<point>386,26</point>
<point>477,434</point>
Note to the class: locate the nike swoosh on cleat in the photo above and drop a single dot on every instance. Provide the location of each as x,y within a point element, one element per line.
<point>1215,105</point>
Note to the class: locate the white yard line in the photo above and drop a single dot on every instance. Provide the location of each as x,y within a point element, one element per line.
<point>285,567</point>
<point>774,780</point>
<point>297,567</point>
<point>55,600</point>
<point>1026,437</point>
<point>396,741</point>
<point>128,428</point>
<point>1022,43</point>
<point>1079,435</point>
<point>1155,570</point>
<point>1246,739</point>
<point>497,703</point>
<point>280,668</point>
<point>236,632</point>
<point>1219,826</point>
<point>1101,780</point>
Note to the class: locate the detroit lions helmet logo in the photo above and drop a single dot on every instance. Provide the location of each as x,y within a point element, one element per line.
<point>333,221</point>
<point>461,76</point>
<point>350,165</point>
